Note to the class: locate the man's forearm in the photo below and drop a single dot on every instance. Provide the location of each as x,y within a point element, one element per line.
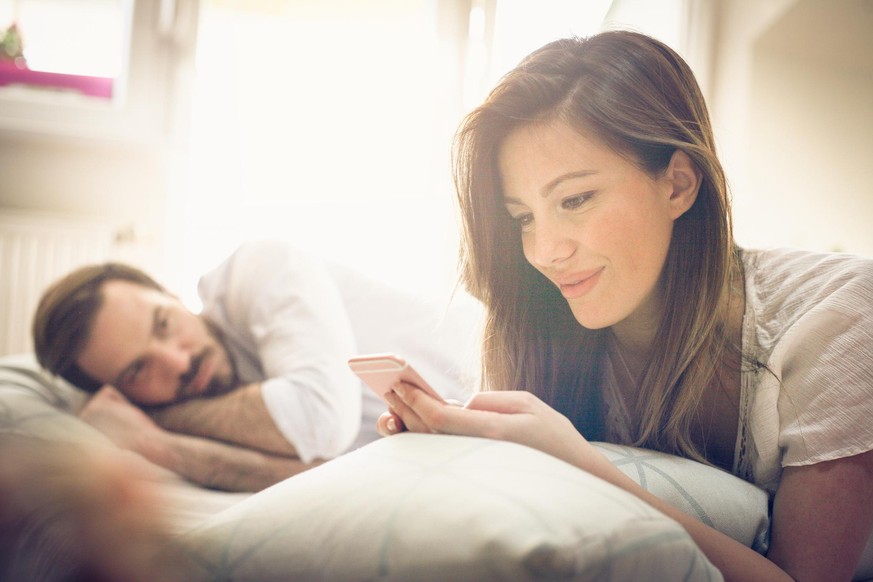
<point>238,417</point>
<point>219,465</point>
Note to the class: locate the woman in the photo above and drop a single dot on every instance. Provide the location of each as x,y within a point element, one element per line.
<point>597,234</point>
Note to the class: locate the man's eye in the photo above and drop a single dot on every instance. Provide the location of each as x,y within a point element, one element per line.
<point>574,202</point>
<point>163,324</point>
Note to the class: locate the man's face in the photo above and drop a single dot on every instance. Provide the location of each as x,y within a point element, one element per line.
<point>149,346</point>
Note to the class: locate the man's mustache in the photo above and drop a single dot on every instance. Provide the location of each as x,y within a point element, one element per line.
<point>188,377</point>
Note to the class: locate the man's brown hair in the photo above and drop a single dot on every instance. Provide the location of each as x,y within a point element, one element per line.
<point>65,317</point>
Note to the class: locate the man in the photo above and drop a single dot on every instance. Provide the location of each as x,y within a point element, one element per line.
<point>254,388</point>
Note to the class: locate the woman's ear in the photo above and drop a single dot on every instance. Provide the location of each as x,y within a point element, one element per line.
<point>683,179</point>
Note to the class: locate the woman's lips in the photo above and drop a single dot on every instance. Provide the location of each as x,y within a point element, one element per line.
<point>579,285</point>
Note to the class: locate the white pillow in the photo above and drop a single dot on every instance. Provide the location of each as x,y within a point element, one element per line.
<point>435,507</point>
<point>715,497</point>
<point>35,404</point>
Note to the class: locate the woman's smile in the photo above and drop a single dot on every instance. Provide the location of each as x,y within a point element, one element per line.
<point>590,220</point>
<point>579,284</point>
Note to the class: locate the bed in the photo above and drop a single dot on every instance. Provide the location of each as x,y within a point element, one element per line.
<point>428,507</point>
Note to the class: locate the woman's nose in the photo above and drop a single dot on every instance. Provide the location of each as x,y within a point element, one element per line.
<point>549,245</point>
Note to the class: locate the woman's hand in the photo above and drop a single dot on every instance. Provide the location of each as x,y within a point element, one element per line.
<point>518,417</point>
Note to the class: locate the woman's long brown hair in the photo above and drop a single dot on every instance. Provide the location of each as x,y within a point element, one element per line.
<point>637,96</point>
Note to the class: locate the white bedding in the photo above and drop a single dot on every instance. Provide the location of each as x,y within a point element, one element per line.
<point>418,507</point>
<point>429,507</point>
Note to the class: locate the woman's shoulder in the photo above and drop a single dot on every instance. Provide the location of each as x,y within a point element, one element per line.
<point>786,278</point>
<point>790,263</point>
<point>809,321</point>
<point>793,293</point>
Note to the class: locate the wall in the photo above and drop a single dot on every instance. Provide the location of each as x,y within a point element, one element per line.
<point>122,186</point>
<point>66,156</point>
<point>810,159</point>
<point>791,98</point>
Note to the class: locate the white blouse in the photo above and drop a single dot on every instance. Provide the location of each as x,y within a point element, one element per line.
<point>809,320</point>
<point>808,324</point>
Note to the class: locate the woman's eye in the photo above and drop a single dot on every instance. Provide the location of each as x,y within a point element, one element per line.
<point>574,202</point>
<point>523,220</point>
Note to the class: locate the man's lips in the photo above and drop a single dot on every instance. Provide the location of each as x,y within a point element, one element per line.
<point>202,369</point>
<point>578,284</point>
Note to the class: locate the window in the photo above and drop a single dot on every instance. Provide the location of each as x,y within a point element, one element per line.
<point>55,45</point>
<point>91,68</point>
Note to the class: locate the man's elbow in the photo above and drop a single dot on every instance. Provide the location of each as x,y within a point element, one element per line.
<point>334,428</point>
<point>346,424</point>
<point>318,425</point>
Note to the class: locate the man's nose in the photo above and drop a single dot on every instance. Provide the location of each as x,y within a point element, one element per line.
<point>176,359</point>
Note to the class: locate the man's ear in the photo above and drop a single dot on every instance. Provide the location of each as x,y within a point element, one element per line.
<point>682,178</point>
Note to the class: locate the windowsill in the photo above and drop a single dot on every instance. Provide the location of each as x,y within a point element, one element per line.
<point>12,74</point>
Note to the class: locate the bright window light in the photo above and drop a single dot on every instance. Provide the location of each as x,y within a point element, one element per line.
<point>81,37</point>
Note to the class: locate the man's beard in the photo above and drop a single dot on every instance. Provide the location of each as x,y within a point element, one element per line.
<point>217,385</point>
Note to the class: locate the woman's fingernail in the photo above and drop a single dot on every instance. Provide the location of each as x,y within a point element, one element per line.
<point>399,389</point>
<point>391,425</point>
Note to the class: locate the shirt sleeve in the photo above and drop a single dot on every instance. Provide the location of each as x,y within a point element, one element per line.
<point>825,361</point>
<point>292,312</point>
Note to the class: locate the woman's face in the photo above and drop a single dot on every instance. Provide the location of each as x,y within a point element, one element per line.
<point>592,222</point>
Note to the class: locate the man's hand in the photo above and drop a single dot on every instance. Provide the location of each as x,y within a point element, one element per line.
<point>115,416</point>
<point>204,461</point>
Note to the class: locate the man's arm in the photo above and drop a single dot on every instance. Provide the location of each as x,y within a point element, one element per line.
<point>239,417</point>
<point>283,307</point>
<point>219,465</point>
<point>203,461</point>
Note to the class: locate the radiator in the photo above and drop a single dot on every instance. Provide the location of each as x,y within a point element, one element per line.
<point>35,250</point>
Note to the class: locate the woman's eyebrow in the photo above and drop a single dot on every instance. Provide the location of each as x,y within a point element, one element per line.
<point>547,189</point>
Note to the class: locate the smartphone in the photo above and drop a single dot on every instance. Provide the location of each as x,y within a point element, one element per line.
<point>382,371</point>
